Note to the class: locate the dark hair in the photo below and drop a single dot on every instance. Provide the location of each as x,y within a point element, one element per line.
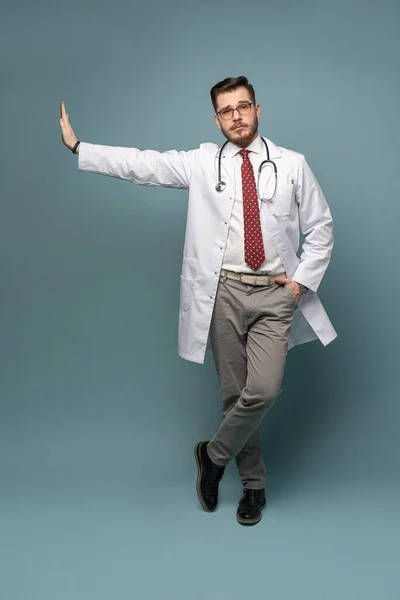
<point>229,85</point>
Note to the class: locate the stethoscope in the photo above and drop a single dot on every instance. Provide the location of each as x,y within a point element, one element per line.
<point>221,185</point>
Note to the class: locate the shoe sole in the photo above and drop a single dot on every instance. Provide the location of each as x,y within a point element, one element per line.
<point>197,449</point>
<point>251,521</point>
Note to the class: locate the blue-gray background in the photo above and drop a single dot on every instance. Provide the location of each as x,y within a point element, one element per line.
<point>98,414</point>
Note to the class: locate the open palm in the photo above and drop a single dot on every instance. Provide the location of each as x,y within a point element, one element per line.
<point>67,133</point>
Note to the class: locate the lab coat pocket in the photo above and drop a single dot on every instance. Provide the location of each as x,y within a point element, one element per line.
<point>187,292</point>
<point>188,277</point>
<point>282,204</point>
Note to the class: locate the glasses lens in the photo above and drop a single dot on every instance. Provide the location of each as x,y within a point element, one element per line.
<point>244,109</point>
<point>226,113</point>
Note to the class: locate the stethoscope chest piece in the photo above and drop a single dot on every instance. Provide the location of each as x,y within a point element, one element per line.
<point>221,185</point>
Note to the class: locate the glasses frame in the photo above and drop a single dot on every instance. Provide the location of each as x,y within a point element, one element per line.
<point>232,111</point>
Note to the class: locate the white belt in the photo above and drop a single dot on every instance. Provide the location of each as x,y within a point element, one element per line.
<point>250,279</point>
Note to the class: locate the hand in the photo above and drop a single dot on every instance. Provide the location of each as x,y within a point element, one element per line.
<point>293,285</point>
<point>67,133</point>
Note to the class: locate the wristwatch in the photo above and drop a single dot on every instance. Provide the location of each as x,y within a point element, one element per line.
<point>303,289</point>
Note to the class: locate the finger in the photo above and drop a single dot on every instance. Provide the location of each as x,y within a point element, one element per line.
<point>64,124</point>
<point>64,114</point>
<point>282,280</point>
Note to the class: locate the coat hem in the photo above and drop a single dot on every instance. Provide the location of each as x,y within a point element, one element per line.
<point>191,357</point>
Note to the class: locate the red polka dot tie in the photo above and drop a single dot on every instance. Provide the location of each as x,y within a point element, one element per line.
<point>253,241</point>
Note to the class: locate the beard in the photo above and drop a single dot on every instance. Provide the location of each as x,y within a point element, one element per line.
<point>243,137</point>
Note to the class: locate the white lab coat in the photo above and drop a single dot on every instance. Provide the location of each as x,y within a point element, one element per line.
<point>296,206</point>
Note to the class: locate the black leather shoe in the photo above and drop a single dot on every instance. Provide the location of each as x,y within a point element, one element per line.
<point>208,478</point>
<point>250,507</point>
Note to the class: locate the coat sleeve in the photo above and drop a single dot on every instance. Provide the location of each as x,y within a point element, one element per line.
<point>143,167</point>
<point>316,225</point>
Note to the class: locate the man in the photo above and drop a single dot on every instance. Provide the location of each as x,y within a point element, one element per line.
<point>242,285</point>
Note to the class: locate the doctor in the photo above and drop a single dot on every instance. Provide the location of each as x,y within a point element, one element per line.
<point>242,286</point>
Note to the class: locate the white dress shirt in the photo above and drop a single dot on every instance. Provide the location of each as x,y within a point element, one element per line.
<point>234,252</point>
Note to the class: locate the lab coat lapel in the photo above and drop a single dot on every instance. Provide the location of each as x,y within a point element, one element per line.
<point>267,182</point>
<point>280,239</point>
<point>227,167</point>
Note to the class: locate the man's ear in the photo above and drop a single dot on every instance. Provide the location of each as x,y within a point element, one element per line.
<point>217,121</point>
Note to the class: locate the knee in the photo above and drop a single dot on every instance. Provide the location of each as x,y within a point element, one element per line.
<point>260,394</point>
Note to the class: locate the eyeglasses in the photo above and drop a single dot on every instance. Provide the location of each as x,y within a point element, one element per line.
<point>243,109</point>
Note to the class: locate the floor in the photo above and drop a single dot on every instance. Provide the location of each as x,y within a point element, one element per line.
<point>109,533</point>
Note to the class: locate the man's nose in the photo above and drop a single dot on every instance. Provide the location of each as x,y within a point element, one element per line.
<point>236,114</point>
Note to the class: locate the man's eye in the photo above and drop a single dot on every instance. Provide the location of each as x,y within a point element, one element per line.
<point>226,112</point>
<point>244,106</point>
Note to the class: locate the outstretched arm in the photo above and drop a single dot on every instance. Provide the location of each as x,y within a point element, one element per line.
<point>143,167</point>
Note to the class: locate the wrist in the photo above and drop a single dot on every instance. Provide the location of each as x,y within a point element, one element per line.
<point>75,147</point>
<point>302,288</point>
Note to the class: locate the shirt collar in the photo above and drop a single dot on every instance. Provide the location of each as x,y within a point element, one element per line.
<point>256,146</point>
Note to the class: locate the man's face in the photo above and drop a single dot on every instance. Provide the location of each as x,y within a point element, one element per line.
<point>238,129</point>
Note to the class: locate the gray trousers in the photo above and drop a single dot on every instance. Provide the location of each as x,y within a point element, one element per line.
<point>249,339</point>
